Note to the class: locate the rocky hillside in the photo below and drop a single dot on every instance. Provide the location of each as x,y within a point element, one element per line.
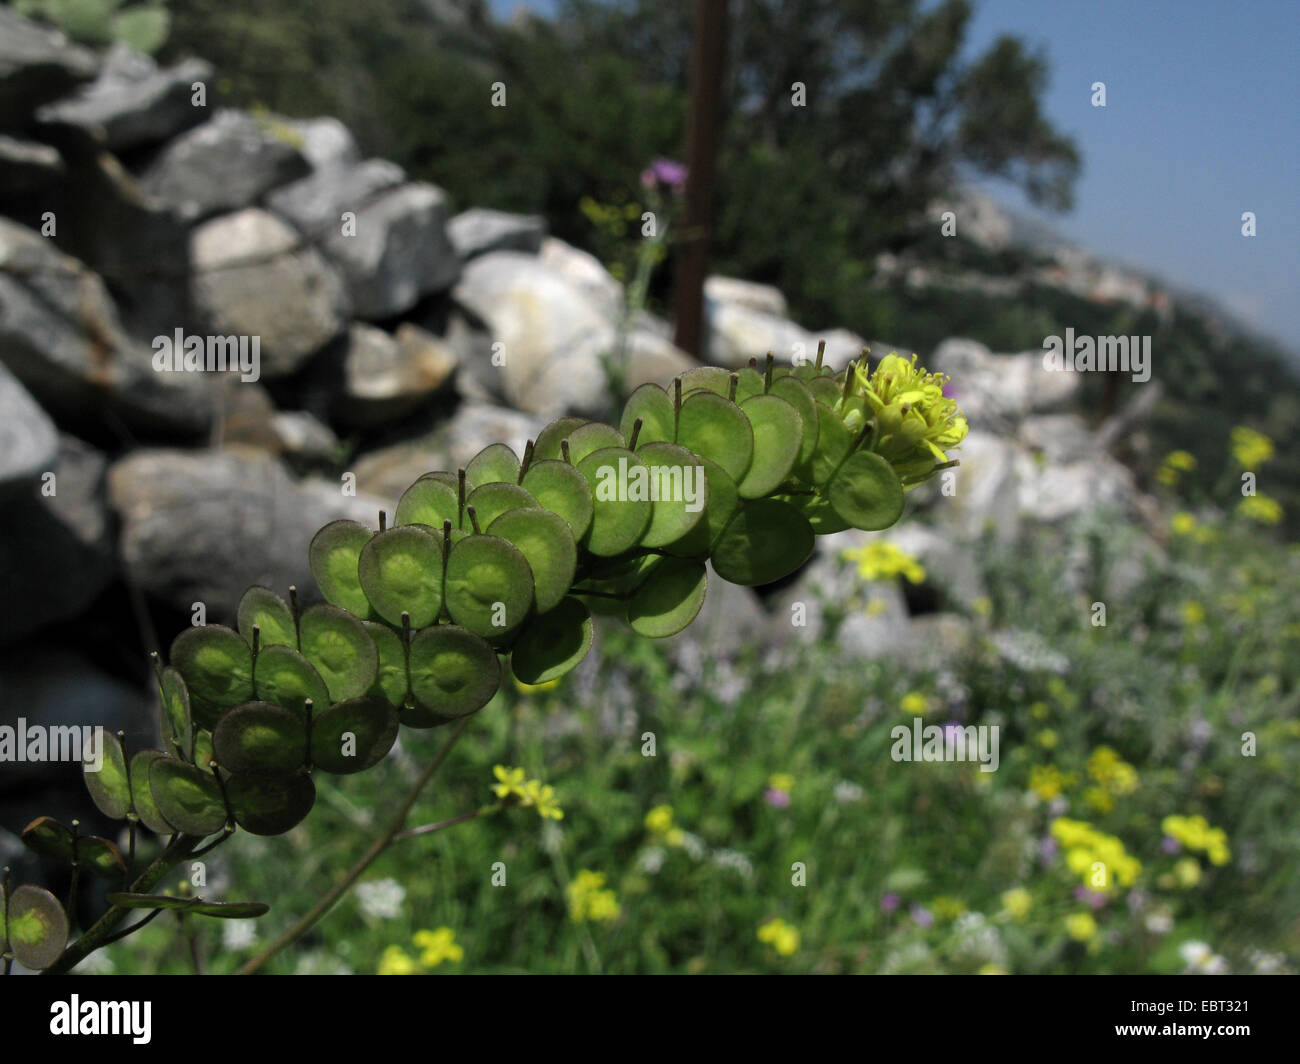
<point>397,334</point>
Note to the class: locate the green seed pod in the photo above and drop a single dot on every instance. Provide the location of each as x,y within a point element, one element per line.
<point>820,514</point>
<point>560,488</point>
<point>187,796</point>
<point>794,392</point>
<point>553,643</point>
<point>261,737</point>
<point>680,493</point>
<point>285,677</point>
<point>591,437</point>
<point>353,736</point>
<point>764,542</point>
<point>495,463</point>
<point>270,805</point>
<point>110,787</point>
<point>429,502</point>
<point>834,442</point>
<point>706,378</point>
<point>653,407</point>
<point>724,499</point>
<point>866,492</point>
<point>453,673</point>
<point>263,609</point>
<point>492,500</point>
<point>334,641</point>
<point>716,429</point>
<point>401,572</point>
<point>142,795</point>
<point>333,556</point>
<point>489,586</point>
<point>670,599</point>
<point>36,927</point>
<point>177,725</point>
<point>548,440</point>
<point>620,515</point>
<point>749,382</point>
<point>778,438</point>
<point>546,543</point>
<point>391,682</point>
<point>217,666</point>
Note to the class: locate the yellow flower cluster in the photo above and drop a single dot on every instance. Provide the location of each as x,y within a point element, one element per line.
<point>781,936</point>
<point>1261,508</point>
<point>435,947</point>
<point>659,822</point>
<point>589,900</point>
<point>1017,902</point>
<point>1114,778</point>
<point>1250,448</point>
<point>781,781</point>
<point>1086,848</point>
<point>531,794</point>
<point>1185,524</point>
<point>1195,833</point>
<point>1175,463</point>
<point>882,560</point>
<point>914,704</point>
<point>1081,927</point>
<point>914,423</point>
<point>1048,781</point>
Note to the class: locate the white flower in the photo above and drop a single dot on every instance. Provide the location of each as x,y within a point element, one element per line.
<point>1159,923</point>
<point>734,860</point>
<point>652,860</point>
<point>1194,953</point>
<point>238,934</point>
<point>381,899</point>
<point>847,791</point>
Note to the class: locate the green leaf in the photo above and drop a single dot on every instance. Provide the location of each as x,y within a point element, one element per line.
<point>226,910</point>
<point>553,643</point>
<point>544,539</point>
<point>778,437</point>
<point>866,492</point>
<point>262,607</point>
<point>560,488</point>
<point>270,805</point>
<point>548,440</point>
<point>217,666</point>
<point>391,681</point>
<point>187,796</point>
<point>429,502</point>
<point>344,655</point>
<point>333,556</point>
<point>285,677</point>
<point>495,463</point>
<point>38,927</point>
<point>654,407</point>
<point>716,429</point>
<point>401,572</point>
<point>765,541</point>
<point>489,588</point>
<point>142,794</point>
<point>674,473</point>
<point>668,601</point>
<point>177,725</point>
<point>353,736</point>
<point>453,673</point>
<point>618,520</point>
<point>591,437</point>
<point>261,737</point>
<point>110,787</point>
<point>492,500</point>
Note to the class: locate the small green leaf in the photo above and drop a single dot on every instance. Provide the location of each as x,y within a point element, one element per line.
<point>109,786</point>
<point>341,651</point>
<point>401,572</point>
<point>333,556</point>
<point>187,796</point>
<point>453,673</point>
<point>765,541</point>
<point>263,608</point>
<point>270,805</point>
<point>38,927</point>
<point>261,737</point>
<point>228,910</point>
<point>668,601</point>
<point>353,736</point>
<point>553,643</point>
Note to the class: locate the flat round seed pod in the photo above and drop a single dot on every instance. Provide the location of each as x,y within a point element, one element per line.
<point>49,838</point>
<point>443,476</point>
<point>548,440</point>
<point>834,442</point>
<point>333,558</point>
<point>749,382</point>
<point>261,737</point>
<point>271,805</point>
<point>546,543</point>
<point>353,736</point>
<point>285,677</point>
<point>453,673</point>
<point>709,378</point>
<point>217,666</point>
<point>825,389</point>
<point>401,572</point>
<point>390,683</point>
<point>669,600</point>
<point>765,541</point>
<point>270,614</point>
<point>619,579</point>
<point>723,500</point>
<point>794,392</point>
<point>620,514</point>
<point>494,464</point>
<point>110,786</point>
<point>778,438</point>
<point>203,754</point>
<point>177,724</point>
<point>341,651</point>
<point>715,429</point>
<point>560,488</point>
<point>591,437</point>
<point>142,796</point>
<point>679,490</point>
<point>429,502</point>
<point>492,500</point>
<point>187,797</point>
<point>654,408</point>
<point>866,492</point>
<point>489,587</point>
<point>819,512</point>
<point>553,643</point>
<point>101,857</point>
<point>36,927</point>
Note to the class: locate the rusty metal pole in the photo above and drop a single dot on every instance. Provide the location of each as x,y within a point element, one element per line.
<point>708,53</point>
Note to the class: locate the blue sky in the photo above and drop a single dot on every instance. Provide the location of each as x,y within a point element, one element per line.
<point>1202,123</point>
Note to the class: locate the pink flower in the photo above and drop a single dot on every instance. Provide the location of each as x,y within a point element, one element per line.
<point>666,174</point>
<point>778,798</point>
<point>922,916</point>
<point>889,902</point>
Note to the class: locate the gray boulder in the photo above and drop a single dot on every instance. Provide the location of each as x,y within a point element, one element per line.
<point>584,272</point>
<point>325,142</point>
<point>253,276</point>
<point>387,377</point>
<point>479,230</point>
<point>29,443</point>
<point>37,64</point>
<point>755,296</point>
<point>738,333</point>
<point>996,391</point>
<point>202,526</point>
<point>553,335</point>
<point>228,162</point>
<point>27,166</point>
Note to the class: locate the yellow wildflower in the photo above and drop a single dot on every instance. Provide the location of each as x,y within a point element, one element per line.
<point>1048,781</point>
<point>883,560</point>
<point>589,900</point>
<point>1261,508</point>
<point>1081,927</point>
<point>1017,902</point>
<point>1047,739</point>
<point>781,781</point>
<point>510,781</point>
<point>1193,614</point>
<point>991,969</point>
<point>396,961</point>
<point>542,798</point>
<point>1098,859</point>
<point>438,946</point>
<point>660,819</point>
<point>1187,871</point>
<point>781,936</point>
<point>914,704</point>
<point>1251,449</point>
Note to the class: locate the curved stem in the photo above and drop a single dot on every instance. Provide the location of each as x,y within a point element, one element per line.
<point>327,901</point>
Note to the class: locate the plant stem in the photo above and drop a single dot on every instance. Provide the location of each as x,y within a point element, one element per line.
<point>100,932</point>
<point>429,829</point>
<point>327,902</point>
